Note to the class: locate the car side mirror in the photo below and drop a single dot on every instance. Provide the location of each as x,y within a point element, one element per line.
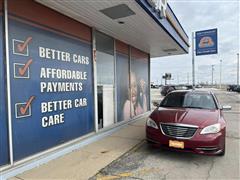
<point>156,104</point>
<point>226,107</point>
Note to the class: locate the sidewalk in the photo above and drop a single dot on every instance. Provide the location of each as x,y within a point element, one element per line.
<point>87,161</point>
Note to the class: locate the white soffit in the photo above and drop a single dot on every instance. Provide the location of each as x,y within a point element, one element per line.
<point>138,30</point>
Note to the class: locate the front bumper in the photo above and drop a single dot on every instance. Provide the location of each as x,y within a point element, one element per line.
<point>210,144</point>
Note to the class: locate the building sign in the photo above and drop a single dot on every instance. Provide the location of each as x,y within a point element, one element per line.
<point>206,42</point>
<point>51,87</point>
<point>160,6</point>
<point>167,76</point>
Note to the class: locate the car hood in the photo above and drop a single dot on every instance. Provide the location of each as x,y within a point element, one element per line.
<point>198,117</point>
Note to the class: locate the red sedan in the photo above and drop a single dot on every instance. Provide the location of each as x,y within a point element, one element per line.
<point>190,121</point>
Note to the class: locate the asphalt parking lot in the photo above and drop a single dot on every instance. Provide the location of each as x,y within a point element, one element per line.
<point>146,162</point>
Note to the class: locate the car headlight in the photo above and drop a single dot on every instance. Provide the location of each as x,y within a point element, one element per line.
<point>151,123</point>
<point>212,129</point>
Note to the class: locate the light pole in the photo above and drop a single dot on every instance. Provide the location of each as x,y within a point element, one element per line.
<point>220,81</point>
<point>193,62</point>
<point>237,68</point>
<point>212,74</point>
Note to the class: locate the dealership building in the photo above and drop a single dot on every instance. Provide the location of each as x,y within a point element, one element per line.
<point>71,70</point>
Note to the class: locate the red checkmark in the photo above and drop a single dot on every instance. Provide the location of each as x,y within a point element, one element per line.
<point>23,110</point>
<point>23,70</point>
<point>22,46</point>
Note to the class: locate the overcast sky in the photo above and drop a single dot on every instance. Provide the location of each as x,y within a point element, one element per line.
<point>195,15</point>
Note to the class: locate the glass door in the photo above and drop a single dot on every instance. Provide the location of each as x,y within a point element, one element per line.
<point>105,79</point>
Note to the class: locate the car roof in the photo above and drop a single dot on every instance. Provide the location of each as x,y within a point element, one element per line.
<point>194,91</point>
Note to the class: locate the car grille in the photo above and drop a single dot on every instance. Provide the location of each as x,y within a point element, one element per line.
<point>178,131</point>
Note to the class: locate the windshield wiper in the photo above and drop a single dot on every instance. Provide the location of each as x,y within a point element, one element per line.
<point>167,106</point>
<point>194,107</point>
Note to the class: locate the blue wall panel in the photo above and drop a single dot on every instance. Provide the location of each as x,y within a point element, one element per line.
<point>34,54</point>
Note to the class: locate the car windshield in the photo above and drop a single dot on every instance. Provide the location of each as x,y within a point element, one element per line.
<point>189,100</point>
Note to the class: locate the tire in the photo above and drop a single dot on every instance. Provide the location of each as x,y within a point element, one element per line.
<point>223,151</point>
<point>150,142</point>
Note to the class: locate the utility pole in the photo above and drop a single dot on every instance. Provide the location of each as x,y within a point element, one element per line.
<point>212,74</point>
<point>187,78</point>
<point>237,68</point>
<point>220,81</point>
<point>193,62</point>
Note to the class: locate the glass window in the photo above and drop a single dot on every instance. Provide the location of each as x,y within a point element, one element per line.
<point>105,68</point>
<point>139,82</point>
<point>105,59</point>
<point>123,93</point>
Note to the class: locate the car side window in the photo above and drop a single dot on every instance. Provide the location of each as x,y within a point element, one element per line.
<point>216,101</point>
